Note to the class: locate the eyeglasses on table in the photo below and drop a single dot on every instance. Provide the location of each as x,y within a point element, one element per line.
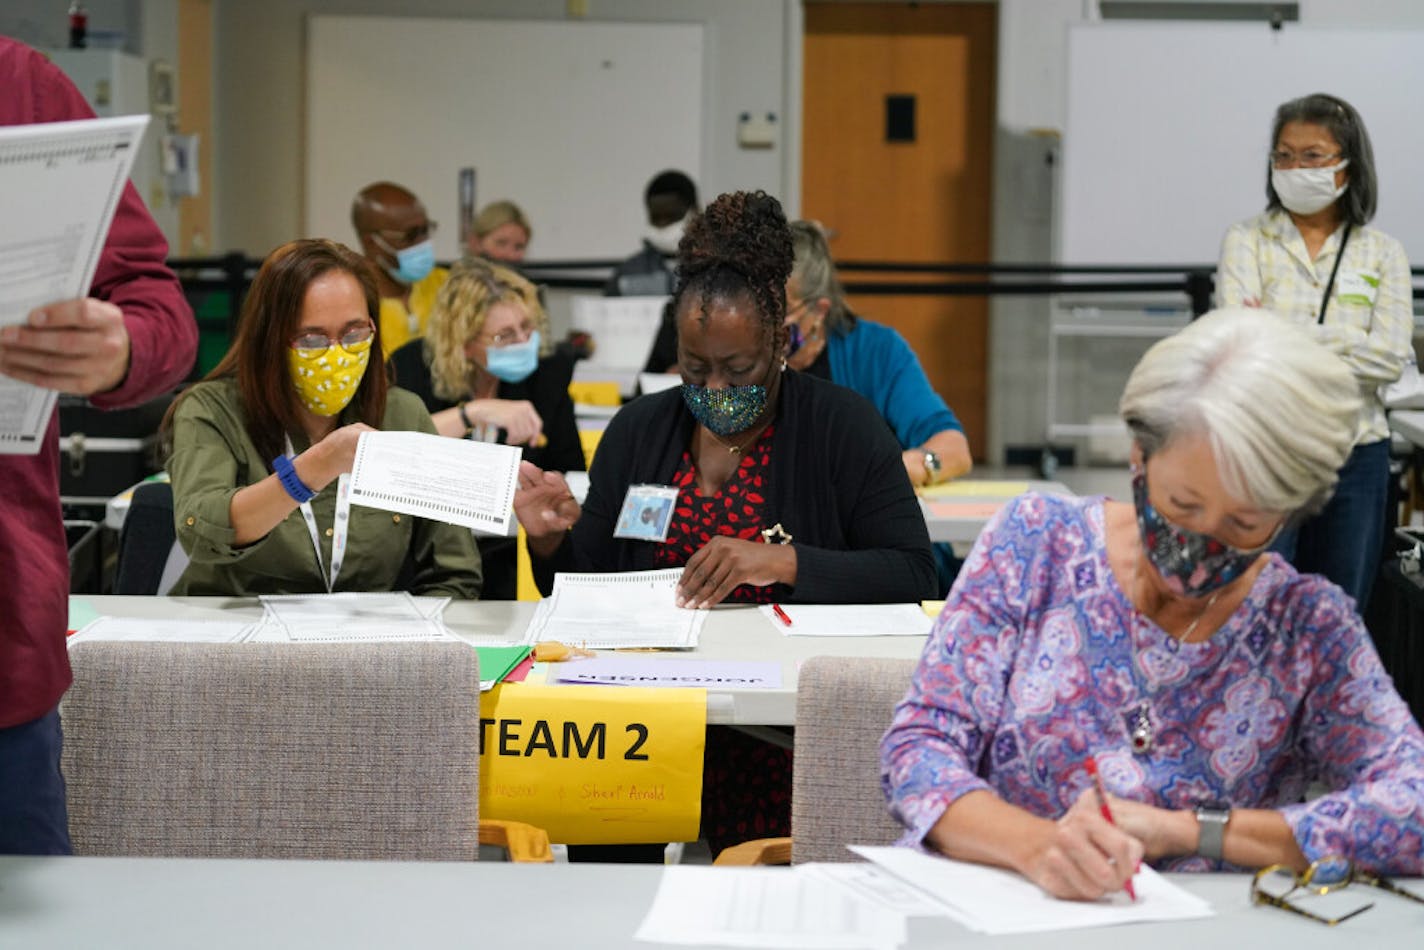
<point>1280,886</point>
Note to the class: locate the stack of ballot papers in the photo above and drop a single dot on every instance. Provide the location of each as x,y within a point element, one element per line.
<point>295,618</point>
<point>351,618</point>
<point>859,905</point>
<point>609,611</point>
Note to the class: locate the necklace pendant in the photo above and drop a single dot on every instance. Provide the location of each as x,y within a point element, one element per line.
<point>1140,734</point>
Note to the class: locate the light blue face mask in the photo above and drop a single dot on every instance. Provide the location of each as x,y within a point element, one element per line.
<point>414,263</point>
<point>513,363</point>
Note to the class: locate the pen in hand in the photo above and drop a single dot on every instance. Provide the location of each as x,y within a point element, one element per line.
<point>1092,766</point>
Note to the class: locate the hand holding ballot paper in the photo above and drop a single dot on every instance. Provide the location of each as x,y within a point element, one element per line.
<point>457,481</point>
<point>87,306</point>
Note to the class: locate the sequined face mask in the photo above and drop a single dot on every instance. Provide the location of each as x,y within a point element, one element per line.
<point>1191,563</point>
<point>725,411</point>
<point>326,379</point>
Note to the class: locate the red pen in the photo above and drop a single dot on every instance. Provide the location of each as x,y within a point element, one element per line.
<point>1092,766</point>
<point>781,614</point>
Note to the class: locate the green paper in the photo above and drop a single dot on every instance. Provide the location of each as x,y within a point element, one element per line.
<point>82,613</point>
<point>496,662</point>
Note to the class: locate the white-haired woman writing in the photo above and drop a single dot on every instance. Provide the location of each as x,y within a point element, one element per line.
<point>1210,681</point>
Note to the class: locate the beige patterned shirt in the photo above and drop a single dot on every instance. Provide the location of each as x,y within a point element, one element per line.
<point>1370,320</point>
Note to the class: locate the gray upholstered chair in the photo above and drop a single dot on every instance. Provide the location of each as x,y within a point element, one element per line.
<point>250,750</point>
<point>843,707</point>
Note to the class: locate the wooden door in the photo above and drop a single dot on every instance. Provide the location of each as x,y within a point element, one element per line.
<point>925,200</point>
<point>195,115</point>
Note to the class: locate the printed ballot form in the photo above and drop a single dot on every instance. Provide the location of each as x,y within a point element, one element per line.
<point>458,481</point>
<point>60,183</point>
<point>631,609</point>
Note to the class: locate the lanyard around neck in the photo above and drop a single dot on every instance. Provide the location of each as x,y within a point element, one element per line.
<point>338,529</point>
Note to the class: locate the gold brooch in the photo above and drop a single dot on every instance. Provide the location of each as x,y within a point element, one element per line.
<point>776,534</point>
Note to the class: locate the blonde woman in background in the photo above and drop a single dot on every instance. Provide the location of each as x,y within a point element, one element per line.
<point>486,371</point>
<point>500,233</point>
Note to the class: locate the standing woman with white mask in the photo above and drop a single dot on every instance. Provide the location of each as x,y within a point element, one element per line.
<point>1311,258</point>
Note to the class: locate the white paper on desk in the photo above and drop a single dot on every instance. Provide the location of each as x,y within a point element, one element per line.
<point>851,620</point>
<point>170,631</point>
<point>458,481</point>
<point>764,907</point>
<point>624,670</point>
<point>346,606</point>
<point>608,611</point>
<point>59,185</point>
<point>369,631</point>
<point>350,617</point>
<point>995,901</point>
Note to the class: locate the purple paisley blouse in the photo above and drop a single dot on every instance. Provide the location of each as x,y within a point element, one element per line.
<point>1039,659</point>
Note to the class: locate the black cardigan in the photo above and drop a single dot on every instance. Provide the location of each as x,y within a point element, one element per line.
<point>547,388</point>
<point>836,483</point>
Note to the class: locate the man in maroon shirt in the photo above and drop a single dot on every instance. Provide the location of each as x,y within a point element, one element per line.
<point>133,338</point>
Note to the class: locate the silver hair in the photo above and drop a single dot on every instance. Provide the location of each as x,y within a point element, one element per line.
<point>1278,409</point>
<point>815,274</point>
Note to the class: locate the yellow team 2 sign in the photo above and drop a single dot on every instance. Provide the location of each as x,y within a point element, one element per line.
<point>594,764</point>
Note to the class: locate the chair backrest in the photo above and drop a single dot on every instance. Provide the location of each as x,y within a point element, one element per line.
<point>843,707</point>
<point>257,750</point>
<point>149,558</point>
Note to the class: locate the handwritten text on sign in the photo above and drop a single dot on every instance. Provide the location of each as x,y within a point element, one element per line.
<point>594,765</point>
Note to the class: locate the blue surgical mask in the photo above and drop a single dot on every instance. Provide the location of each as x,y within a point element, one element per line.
<point>414,263</point>
<point>514,363</point>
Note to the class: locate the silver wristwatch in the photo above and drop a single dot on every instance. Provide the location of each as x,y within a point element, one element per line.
<point>932,466</point>
<point>1211,830</point>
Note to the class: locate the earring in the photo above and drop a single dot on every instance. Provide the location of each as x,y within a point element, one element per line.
<point>783,364</point>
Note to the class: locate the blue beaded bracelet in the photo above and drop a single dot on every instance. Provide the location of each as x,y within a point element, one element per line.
<point>287,475</point>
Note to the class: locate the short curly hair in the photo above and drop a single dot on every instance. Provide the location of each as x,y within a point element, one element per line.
<point>739,248</point>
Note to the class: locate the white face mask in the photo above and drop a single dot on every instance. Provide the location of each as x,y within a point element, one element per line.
<point>667,237</point>
<point>1307,190</point>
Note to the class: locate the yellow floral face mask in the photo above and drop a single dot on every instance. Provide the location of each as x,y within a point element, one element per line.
<point>326,379</point>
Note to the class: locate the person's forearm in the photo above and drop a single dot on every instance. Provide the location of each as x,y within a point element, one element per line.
<point>983,828</point>
<point>258,508</point>
<point>448,423</point>
<point>953,450</point>
<point>1254,838</point>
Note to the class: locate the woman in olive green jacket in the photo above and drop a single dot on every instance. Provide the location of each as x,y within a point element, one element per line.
<point>261,447</point>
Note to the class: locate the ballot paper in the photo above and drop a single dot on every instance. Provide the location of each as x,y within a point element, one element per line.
<point>850,620</point>
<point>607,611</point>
<point>765,907</point>
<point>170,631</point>
<point>458,481</point>
<point>995,901</point>
<point>59,185</point>
<point>350,618</point>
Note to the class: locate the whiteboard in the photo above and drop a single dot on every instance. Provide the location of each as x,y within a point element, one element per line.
<point>569,119</point>
<point>1168,126</point>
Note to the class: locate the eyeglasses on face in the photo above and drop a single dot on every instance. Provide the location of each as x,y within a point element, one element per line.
<point>351,338</point>
<point>1280,158</point>
<point>519,334</point>
<point>1280,886</point>
<point>406,238</point>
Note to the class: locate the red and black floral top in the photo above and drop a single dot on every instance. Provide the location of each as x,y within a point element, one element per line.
<point>738,510</point>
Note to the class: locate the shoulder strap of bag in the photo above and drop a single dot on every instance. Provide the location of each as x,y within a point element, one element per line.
<point>1330,284</point>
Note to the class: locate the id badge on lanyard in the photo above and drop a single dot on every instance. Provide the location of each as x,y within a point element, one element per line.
<point>339,529</point>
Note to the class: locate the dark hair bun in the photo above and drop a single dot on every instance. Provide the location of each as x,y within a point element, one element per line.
<point>743,230</point>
